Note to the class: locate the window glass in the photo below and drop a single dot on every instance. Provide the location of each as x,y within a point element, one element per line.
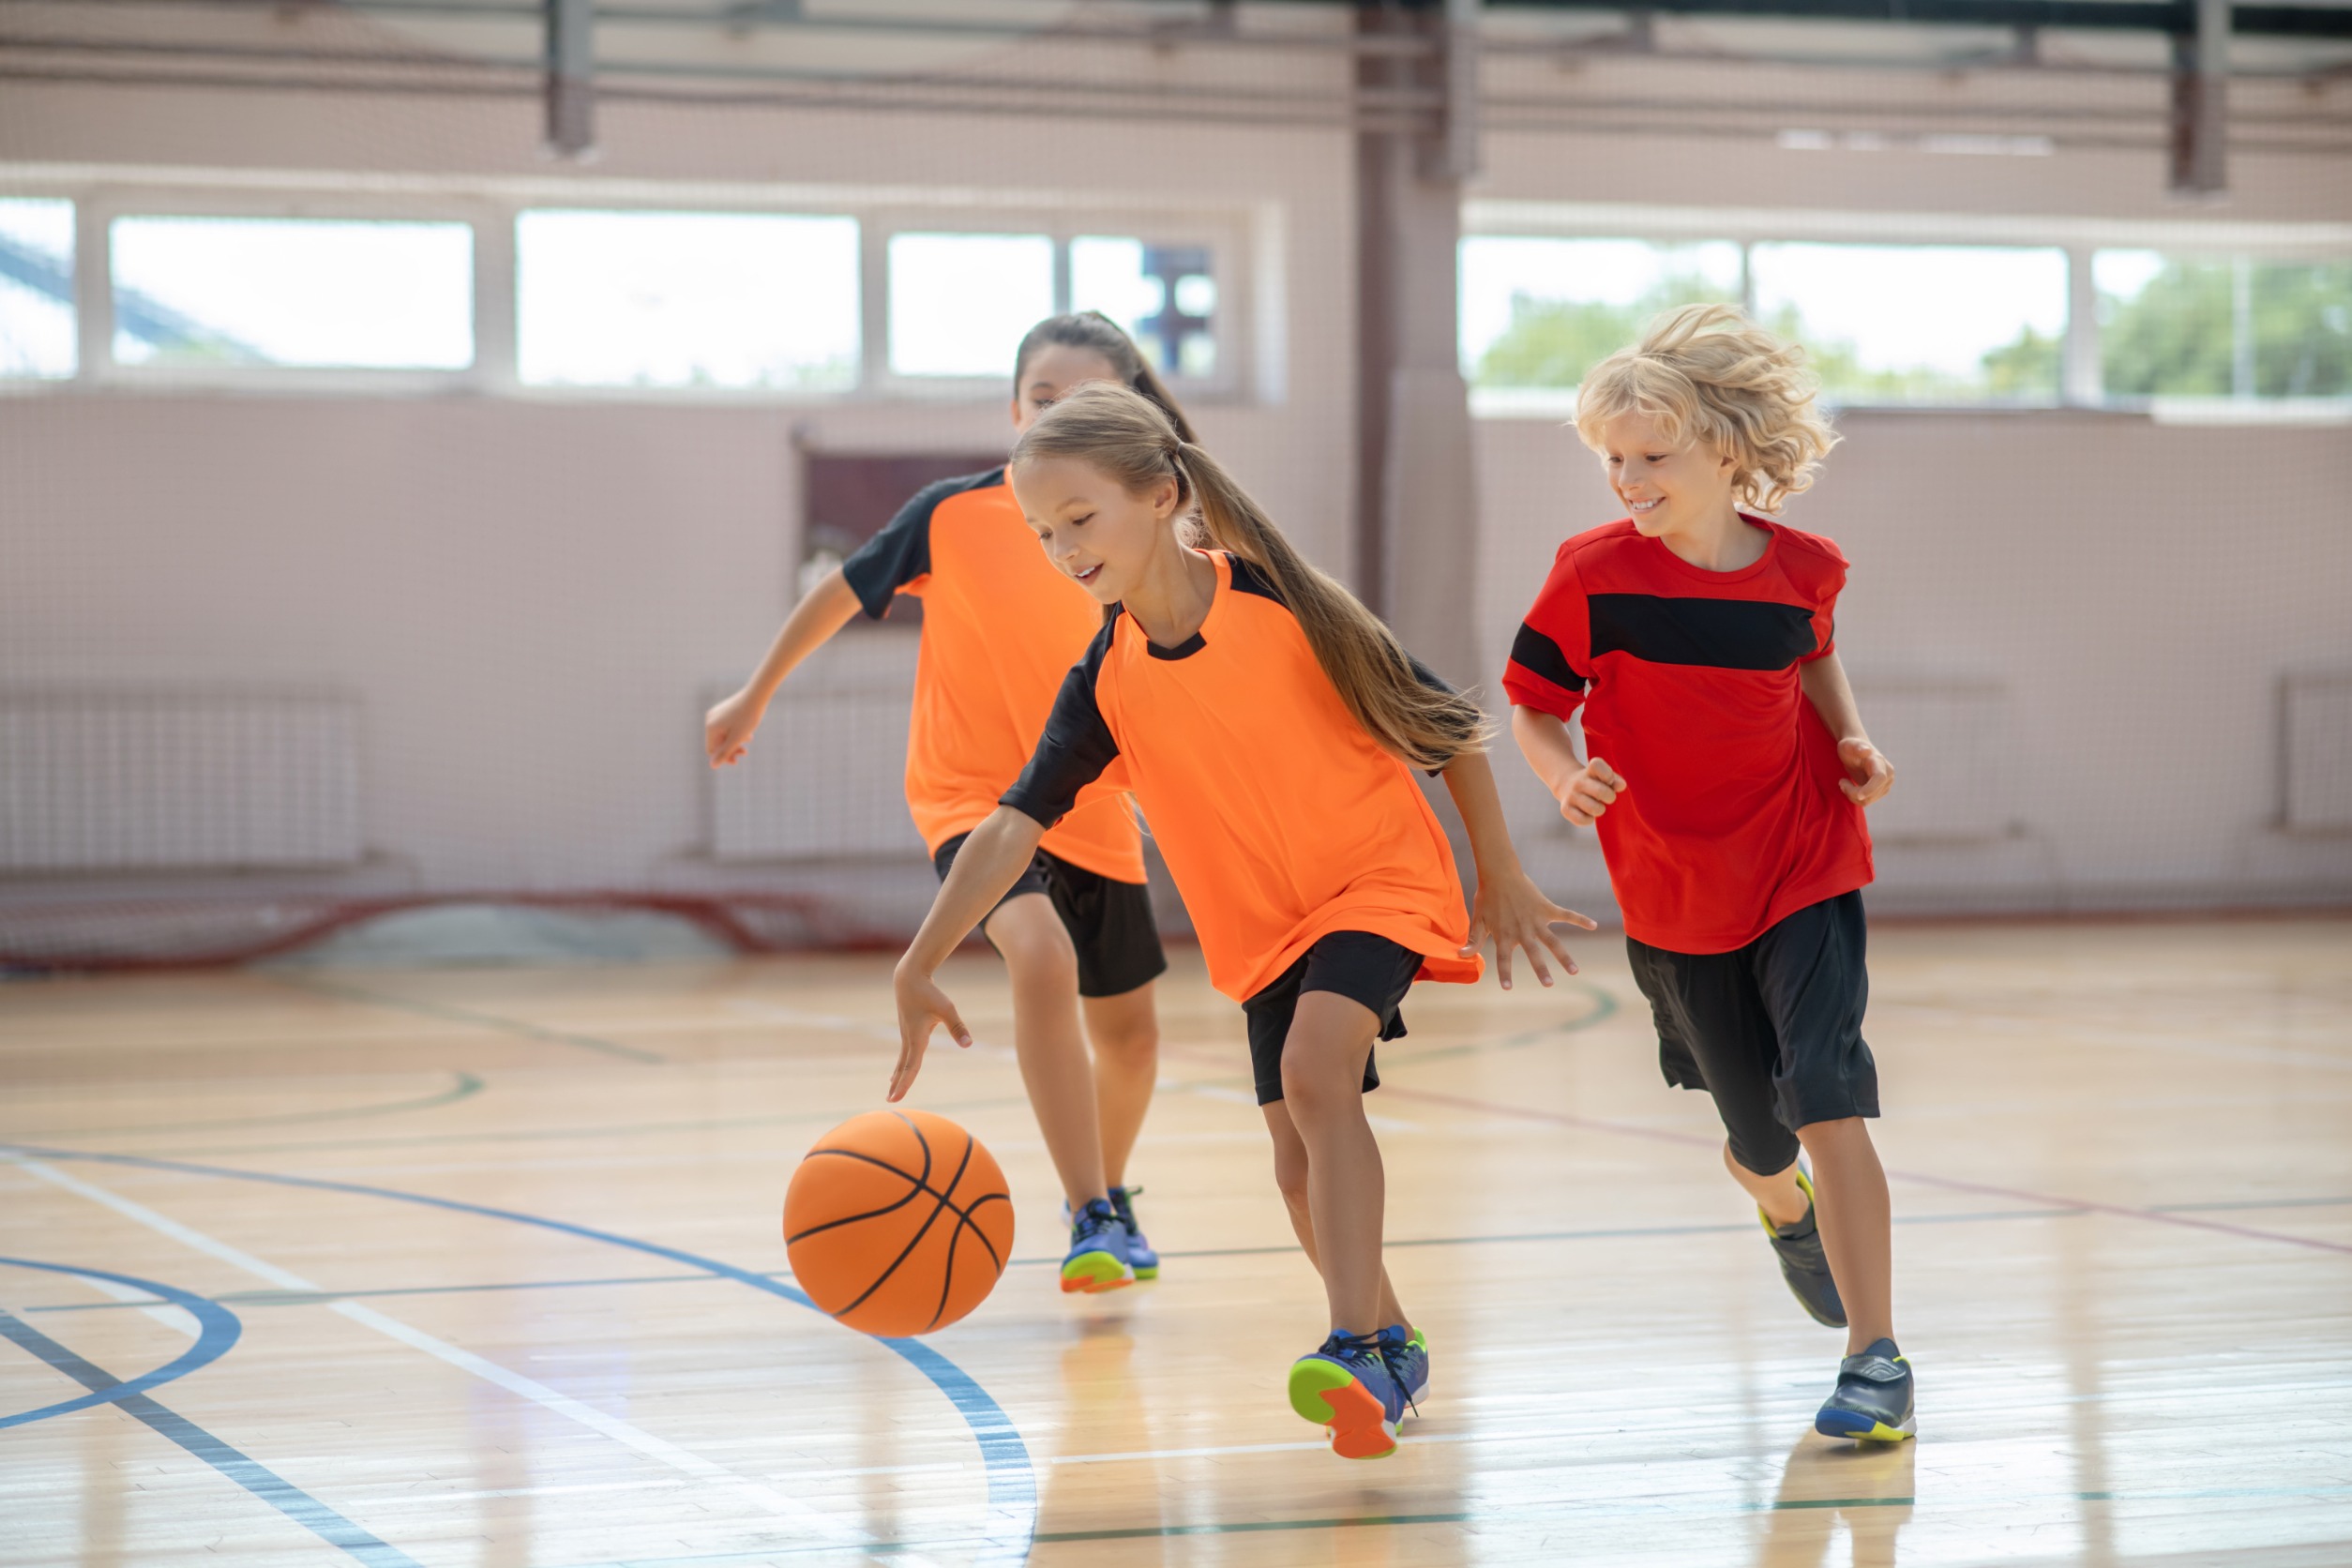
<point>37,330</point>
<point>2207,327</point>
<point>1163,295</point>
<point>960,303</point>
<point>732,300</point>
<point>1930,324</point>
<point>293,292</point>
<point>1541,312</point>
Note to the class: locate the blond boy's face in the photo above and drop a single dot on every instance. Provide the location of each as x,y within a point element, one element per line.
<point>1667,489</point>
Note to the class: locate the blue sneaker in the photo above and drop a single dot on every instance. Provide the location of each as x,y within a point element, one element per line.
<point>1139,1254</point>
<point>1348,1390</point>
<point>1097,1259</point>
<point>1871,1402</point>
<point>1408,1358</point>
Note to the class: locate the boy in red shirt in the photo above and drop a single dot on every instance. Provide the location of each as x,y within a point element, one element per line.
<point>1726,776</point>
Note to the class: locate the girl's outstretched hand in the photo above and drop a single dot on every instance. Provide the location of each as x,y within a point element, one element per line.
<point>727,728</point>
<point>1512,911</point>
<point>921,1007</point>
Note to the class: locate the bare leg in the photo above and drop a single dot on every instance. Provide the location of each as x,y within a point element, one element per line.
<point>1054,1065</point>
<point>1780,1198</point>
<point>1856,1225</point>
<point>1323,1086</point>
<point>1125,1031</point>
<point>1290,1178</point>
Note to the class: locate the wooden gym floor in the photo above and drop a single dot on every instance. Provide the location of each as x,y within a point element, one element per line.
<point>469,1267</point>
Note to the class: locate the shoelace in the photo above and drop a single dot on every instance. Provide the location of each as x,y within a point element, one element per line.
<point>1122,1201</point>
<point>1356,1347</point>
<point>1092,1219</point>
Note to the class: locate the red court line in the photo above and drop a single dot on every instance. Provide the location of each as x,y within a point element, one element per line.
<point>1982,1189</point>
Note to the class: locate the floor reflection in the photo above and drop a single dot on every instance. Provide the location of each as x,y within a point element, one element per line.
<point>1825,1483</point>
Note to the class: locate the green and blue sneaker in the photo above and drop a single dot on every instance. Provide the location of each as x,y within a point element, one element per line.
<point>1348,1390</point>
<point>1803,1264</point>
<point>1145,1262</point>
<point>1873,1399</point>
<point>1408,1358</point>
<point>1097,1259</point>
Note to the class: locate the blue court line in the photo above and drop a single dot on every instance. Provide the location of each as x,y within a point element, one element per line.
<point>1012,1482</point>
<point>217,1329</point>
<point>247,1472</point>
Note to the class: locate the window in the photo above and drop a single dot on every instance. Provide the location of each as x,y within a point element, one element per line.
<point>36,318</point>
<point>1541,312</point>
<point>2181,327</point>
<point>680,299</point>
<point>1920,324</point>
<point>960,303</point>
<point>310,292</point>
<point>1164,296</point>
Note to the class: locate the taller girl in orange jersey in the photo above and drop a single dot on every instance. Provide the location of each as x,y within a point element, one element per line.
<point>1265,722</point>
<point>999,627</point>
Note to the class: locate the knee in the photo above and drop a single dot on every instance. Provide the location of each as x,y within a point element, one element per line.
<point>1040,960</point>
<point>1315,1082</point>
<point>1136,1042</point>
<point>1289,1175</point>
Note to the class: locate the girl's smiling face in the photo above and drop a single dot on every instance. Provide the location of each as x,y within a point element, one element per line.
<point>1666,488</point>
<point>1049,373</point>
<point>1091,528</point>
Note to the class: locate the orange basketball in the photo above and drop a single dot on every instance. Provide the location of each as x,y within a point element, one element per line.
<point>897,1222</point>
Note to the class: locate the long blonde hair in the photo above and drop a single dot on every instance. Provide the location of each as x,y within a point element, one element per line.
<point>1131,441</point>
<point>1707,373</point>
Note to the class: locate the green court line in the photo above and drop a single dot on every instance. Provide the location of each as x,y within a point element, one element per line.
<point>452,1013</point>
<point>466,1087</point>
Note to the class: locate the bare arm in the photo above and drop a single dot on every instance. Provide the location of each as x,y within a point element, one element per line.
<point>824,609</point>
<point>986,869</point>
<point>1584,789</point>
<point>1869,775</point>
<point>1509,907</point>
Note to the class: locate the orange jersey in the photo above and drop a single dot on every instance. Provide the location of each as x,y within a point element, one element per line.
<point>1000,627</point>
<point>1280,818</point>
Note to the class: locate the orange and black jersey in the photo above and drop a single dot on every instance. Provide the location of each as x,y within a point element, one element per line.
<point>1281,818</point>
<point>1000,627</point>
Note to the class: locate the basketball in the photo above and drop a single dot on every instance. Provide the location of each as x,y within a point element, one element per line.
<point>897,1222</point>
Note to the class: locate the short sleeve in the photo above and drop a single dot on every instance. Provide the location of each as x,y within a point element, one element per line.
<point>1077,747</point>
<point>899,557</point>
<point>1549,662</point>
<point>1829,581</point>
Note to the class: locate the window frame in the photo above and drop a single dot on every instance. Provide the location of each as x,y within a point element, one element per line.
<point>1244,240</point>
<point>1223,235</point>
<point>97,210</point>
<point>2081,366</point>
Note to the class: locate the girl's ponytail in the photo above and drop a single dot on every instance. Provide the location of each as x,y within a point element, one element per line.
<point>1127,437</point>
<point>1096,333</point>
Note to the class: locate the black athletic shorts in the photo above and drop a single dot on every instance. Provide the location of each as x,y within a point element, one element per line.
<point>1363,968</point>
<point>1771,1030</point>
<point>1109,921</point>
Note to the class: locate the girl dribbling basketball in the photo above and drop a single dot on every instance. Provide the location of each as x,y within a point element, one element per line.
<point>1265,722</point>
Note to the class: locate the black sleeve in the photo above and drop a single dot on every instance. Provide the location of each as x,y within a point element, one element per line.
<point>1429,677</point>
<point>1076,746</point>
<point>901,552</point>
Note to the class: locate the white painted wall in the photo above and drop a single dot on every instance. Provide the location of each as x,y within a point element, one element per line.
<point>530,597</point>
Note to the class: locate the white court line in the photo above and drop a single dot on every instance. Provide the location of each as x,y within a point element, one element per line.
<point>659,1449</point>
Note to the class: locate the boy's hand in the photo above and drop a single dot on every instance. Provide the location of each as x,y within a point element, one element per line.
<point>1513,913</point>
<point>921,1007</point>
<point>727,728</point>
<point>1593,789</point>
<point>1870,776</point>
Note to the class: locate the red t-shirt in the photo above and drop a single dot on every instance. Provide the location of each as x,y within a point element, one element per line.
<point>1731,818</point>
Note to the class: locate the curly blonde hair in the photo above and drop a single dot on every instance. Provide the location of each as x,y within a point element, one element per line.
<point>1707,373</point>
